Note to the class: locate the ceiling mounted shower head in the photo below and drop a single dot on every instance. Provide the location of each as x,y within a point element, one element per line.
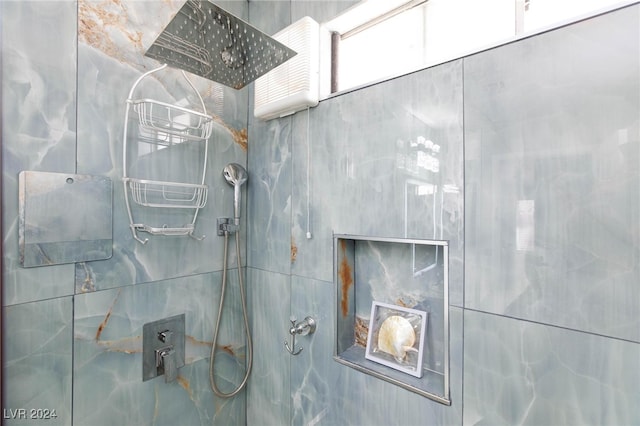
<point>210,42</point>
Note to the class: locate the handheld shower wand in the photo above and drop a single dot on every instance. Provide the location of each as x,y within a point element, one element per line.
<point>235,175</point>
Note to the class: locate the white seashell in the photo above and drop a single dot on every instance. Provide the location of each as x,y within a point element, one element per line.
<point>396,337</point>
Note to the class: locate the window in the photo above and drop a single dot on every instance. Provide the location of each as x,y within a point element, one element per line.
<point>539,14</point>
<point>378,39</point>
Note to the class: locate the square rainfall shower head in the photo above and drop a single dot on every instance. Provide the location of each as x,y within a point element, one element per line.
<point>210,42</point>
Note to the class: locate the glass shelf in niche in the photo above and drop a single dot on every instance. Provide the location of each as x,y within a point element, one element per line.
<point>394,293</point>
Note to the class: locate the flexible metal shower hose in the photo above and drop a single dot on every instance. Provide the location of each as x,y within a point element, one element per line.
<point>242,384</point>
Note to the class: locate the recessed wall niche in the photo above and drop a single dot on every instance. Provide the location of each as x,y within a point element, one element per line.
<point>410,274</point>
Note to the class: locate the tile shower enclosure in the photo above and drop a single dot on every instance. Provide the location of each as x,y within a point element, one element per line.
<point>536,194</point>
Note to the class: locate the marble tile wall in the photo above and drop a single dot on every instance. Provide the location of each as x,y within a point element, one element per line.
<point>552,236</point>
<point>39,129</point>
<point>37,361</point>
<point>522,372</point>
<point>269,384</point>
<point>38,133</point>
<point>107,351</point>
<point>360,151</point>
<point>543,325</point>
<point>552,133</point>
<point>67,69</point>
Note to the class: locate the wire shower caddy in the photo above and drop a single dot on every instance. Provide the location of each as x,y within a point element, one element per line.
<point>163,124</point>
